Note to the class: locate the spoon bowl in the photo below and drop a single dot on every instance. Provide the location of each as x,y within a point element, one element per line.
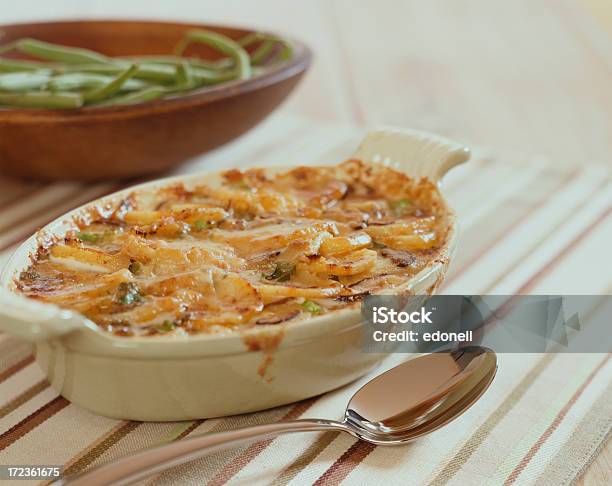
<point>398,406</point>
<point>385,411</point>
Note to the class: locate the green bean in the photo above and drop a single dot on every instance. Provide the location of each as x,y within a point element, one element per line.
<point>167,73</point>
<point>222,64</point>
<point>42,99</point>
<point>169,60</point>
<point>206,78</point>
<point>257,70</point>
<point>156,72</point>
<point>249,39</point>
<point>221,43</point>
<point>147,94</point>
<point>185,76</point>
<point>261,53</point>
<point>14,65</point>
<point>112,87</point>
<point>23,81</point>
<point>84,81</point>
<point>110,68</point>
<point>148,71</point>
<point>55,52</point>
<point>74,77</point>
<point>269,42</point>
<point>218,65</point>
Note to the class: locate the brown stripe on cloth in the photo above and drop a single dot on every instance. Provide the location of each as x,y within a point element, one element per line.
<point>60,199</point>
<point>210,466</point>
<point>79,462</point>
<point>73,200</point>
<point>471,445</point>
<point>309,455</point>
<point>22,191</point>
<point>527,286</point>
<point>537,275</point>
<point>92,453</point>
<point>583,446</point>
<point>553,426</point>
<point>7,373</point>
<point>189,429</point>
<point>508,228</point>
<point>345,464</point>
<point>13,350</point>
<point>235,466</point>
<point>23,397</point>
<point>31,422</point>
<point>194,425</point>
<point>69,200</point>
<point>85,457</point>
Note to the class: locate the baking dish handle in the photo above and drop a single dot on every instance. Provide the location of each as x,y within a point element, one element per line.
<point>35,321</point>
<point>418,154</point>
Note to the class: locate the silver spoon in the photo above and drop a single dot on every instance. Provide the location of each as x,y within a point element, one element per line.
<point>406,402</point>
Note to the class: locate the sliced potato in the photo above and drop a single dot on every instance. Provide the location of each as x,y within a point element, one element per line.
<point>417,225</point>
<point>236,293</point>
<point>345,244</point>
<point>348,264</point>
<point>140,217</point>
<point>273,293</point>
<point>88,259</point>
<point>422,241</point>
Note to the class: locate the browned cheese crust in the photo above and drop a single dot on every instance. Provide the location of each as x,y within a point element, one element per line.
<point>259,249</point>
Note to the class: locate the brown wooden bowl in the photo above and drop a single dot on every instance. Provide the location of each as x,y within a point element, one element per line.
<point>94,143</point>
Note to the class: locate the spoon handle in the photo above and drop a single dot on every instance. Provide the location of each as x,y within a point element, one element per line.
<point>151,461</point>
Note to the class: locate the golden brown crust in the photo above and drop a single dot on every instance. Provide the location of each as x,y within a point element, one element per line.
<point>259,249</point>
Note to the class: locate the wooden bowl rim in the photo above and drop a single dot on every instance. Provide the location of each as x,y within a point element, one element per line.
<point>300,61</point>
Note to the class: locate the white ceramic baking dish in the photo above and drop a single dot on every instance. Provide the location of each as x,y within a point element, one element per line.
<point>180,378</point>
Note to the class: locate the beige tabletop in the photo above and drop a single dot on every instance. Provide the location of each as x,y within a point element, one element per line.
<point>532,77</point>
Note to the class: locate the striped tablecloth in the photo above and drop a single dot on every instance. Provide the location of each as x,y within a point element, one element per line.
<point>527,227</point>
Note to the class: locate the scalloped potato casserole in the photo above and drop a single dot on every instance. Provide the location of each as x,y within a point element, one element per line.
<point>260,248</point>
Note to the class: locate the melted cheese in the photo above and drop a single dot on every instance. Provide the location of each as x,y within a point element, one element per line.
<point>257,250</point>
